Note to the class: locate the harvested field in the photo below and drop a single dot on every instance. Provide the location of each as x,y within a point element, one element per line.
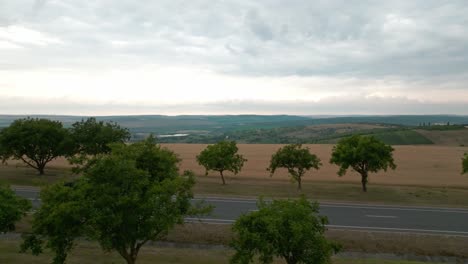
<point>437,166</point>
<point>417,165</point>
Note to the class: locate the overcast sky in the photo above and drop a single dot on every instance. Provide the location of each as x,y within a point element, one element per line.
<point>105,57</point>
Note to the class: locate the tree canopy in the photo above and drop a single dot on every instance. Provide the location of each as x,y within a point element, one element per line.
<point>465,164</point>
<point>35,141</point>
<point>12,209</point>
<point>124,199</point>
<point>364,154</point>
<point>288,229</point>
<point>221,157</point>
<point>92,137</point>
<point>296,159</point>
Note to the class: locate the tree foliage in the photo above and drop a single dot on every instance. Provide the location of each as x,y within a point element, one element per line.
<point>92,137</point>
<point>58,222</point>
<point>126,198</point>
<point>288,229</point>
<point>364,154</point>
<point>465,164</point>
<point>221,157</point>
<point>296,160</point>
<point>35,141</point>
<point>12,209</point>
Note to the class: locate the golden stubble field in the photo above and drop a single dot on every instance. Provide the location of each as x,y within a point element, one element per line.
<point>417,165</point>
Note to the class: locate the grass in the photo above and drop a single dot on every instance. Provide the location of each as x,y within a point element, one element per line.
<point>403,137</point>
<point>23,175</point>
<point>352,241</point>
<point>87,252</point>
<point>331,191</point>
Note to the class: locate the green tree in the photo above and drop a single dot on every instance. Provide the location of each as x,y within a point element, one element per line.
<point>121,202</point>
<point>12,209</point>
<point>288,229</point>
<point>35,141</point>
<point>296,160</point>
<point>92,137</point>
<point>465,164</point>
<point>59,221</point>
<point>364,154</point>
<point>221,157</point>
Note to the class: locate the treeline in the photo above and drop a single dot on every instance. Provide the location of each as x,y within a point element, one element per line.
<point>37,142</point>
<point>134,193</point>
<point>130,194</point>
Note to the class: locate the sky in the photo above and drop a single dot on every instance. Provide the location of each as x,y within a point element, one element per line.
<point>325,57</point>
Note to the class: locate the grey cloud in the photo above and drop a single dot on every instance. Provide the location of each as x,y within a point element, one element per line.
<point>417,39</point>
<point>258,26</point>
<point>332,106</point>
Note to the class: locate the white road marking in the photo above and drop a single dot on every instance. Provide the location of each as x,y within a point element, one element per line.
<point>400,229</point>
<point>398,209</point>
<point>346,205</point>
<point>229,221</point>
<point>382,216</point>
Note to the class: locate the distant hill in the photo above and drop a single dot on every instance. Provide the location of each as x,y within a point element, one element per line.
<point>279,128</point>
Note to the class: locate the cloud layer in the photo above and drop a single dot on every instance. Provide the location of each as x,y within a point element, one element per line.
<point>333,57</point>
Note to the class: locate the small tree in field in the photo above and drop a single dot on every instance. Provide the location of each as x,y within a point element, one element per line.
<point>296,160</point>
<point>35,141</point>
<point>288,229</point>
<point>465,164</point>
<point>364,154</point>
<point>12,209</point>
<point>221,157</point>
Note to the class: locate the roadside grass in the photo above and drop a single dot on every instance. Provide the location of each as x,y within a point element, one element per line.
<point>20,174</point>
<point>87,252</point>
<point>352,241</point>
<point>332,191</point>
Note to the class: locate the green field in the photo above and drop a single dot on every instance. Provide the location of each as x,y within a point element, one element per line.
<point>403,137</point>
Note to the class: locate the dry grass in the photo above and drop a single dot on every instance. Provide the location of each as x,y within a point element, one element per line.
<point>437,166</point>
<point>15,173</point>
<point>426,175</point>
<point>330,191</point>
<point>86,252</point>
<point>354,241</point>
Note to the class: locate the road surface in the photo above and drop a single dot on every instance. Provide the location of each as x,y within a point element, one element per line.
<point>402,219</point>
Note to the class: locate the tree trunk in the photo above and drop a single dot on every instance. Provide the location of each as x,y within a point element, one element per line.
<point>364,181</point>
<point>222,177</point>
<point>299,184</point>
<point>41,168</point>
<point>291,260</point>
<point>131,260</point>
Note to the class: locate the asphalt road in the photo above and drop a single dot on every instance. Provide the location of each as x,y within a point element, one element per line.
<point>406,219</point>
